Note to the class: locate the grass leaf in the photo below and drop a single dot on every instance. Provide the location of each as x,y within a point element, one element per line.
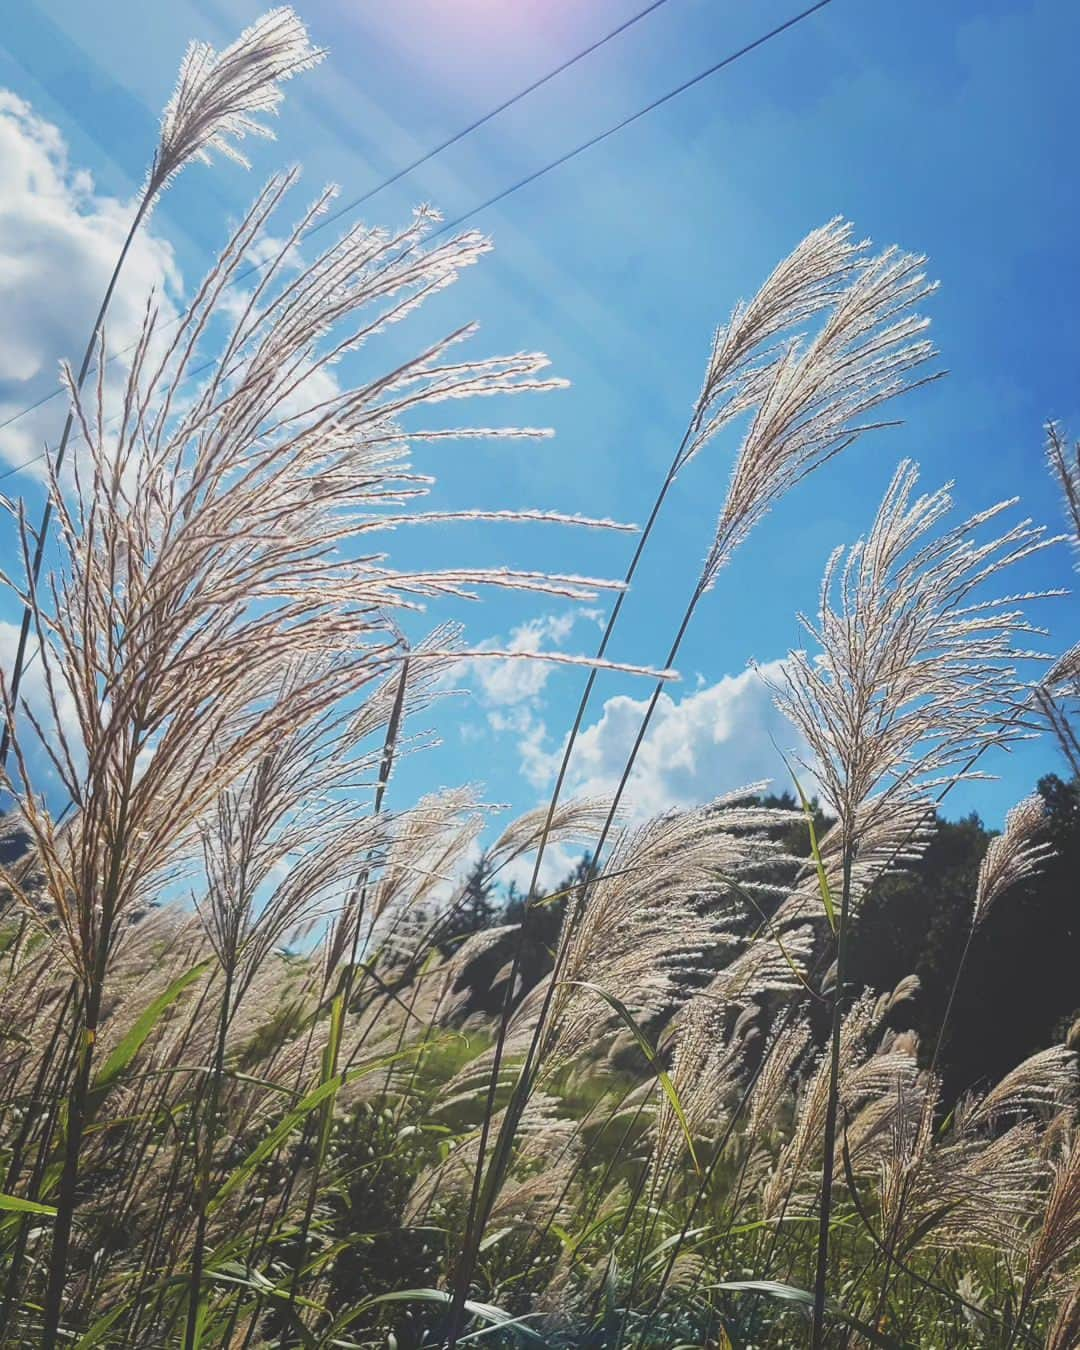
<point>647,1049</point>
<point>21,1206</point>
<point>122,1054</point>
<point>789,1293</point>
<point>815,849</point>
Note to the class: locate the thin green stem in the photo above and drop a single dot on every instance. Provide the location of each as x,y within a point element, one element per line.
<point>817,1340</point>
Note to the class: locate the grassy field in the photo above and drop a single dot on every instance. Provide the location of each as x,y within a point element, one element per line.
<point>256,1088</point>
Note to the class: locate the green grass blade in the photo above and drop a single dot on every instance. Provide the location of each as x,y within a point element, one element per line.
<point>132,1043</point>
<point>789,1293</point>
<point>815,849</point>
<point>487,1312</point>
<point>329,1070</point>
<point>647,1049</point>
<point>20,1206</point>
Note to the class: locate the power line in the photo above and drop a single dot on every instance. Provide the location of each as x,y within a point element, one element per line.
<point>580,149</point>
<point>633,117</point>
<point>395,177</point>
<point>562,159</point>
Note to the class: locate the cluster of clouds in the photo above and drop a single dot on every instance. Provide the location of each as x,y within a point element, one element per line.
<point>519,683</point>
<point>59,241</point>
<point>716,738</point>
<point>701,742</point>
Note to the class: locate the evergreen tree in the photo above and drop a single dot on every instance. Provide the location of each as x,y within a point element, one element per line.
<point>477,910</point>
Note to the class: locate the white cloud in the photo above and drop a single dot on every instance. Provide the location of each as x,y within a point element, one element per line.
<point>558,862</point>
<point>509,683</point>
<point>716,739</point>
<point>712,739</point>
<point>59,240</point>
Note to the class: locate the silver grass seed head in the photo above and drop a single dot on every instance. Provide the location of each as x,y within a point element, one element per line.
<point>813,400</point>
<point>1044,1080</point>
<point>915,672</point>
<point>744,353</point>
<point>1015,855</point>
<point>220,95</point>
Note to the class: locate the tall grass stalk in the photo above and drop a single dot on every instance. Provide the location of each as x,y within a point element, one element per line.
<point>803,399</point>
<point>821,1274</point>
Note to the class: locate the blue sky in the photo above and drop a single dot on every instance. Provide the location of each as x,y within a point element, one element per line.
<point>947,128</point>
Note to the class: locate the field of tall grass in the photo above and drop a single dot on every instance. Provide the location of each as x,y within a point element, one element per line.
<point>245,1097</point>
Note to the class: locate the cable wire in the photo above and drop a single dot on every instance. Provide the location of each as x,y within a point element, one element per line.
<point>545,169</point>
<point>400,173</point>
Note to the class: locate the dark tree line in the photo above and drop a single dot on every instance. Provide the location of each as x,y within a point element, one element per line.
<point>1020,990</point>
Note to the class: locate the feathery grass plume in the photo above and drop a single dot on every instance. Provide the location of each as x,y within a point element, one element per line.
<point>645,925</point>
<point>576,822</point>
<point>745,353</point>
<point>204,613</point>
<point>1010,858</point>
<point>1064,674</point>
<point>282,846</point>
<point>906,988</point>
<point>1045,1080</point>
<point>980,1193</point>
<point>808,398</point>
<point>814,397</point>
<point>707,1059</point>
<point>545,1170</point>
<point>978,1186</point>
<point>786,1050</point>
<point>1015,855</point>
<point>916,676</point>
<point>792,1184</point>
<point>282,850</point>
<point>1056,699</point>
<point>704,1073</point>
<point>894,1090</point>
<point>220,95</point>
<point>766,965</point>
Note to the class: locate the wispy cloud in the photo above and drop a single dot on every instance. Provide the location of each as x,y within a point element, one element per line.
<point>716,739</point>
<point>504,684</point>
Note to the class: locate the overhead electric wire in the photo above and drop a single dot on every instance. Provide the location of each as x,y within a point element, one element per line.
<point>516,186</point>
<point>633,117</point>
<point>399,174</point>
<point>579,149</point>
